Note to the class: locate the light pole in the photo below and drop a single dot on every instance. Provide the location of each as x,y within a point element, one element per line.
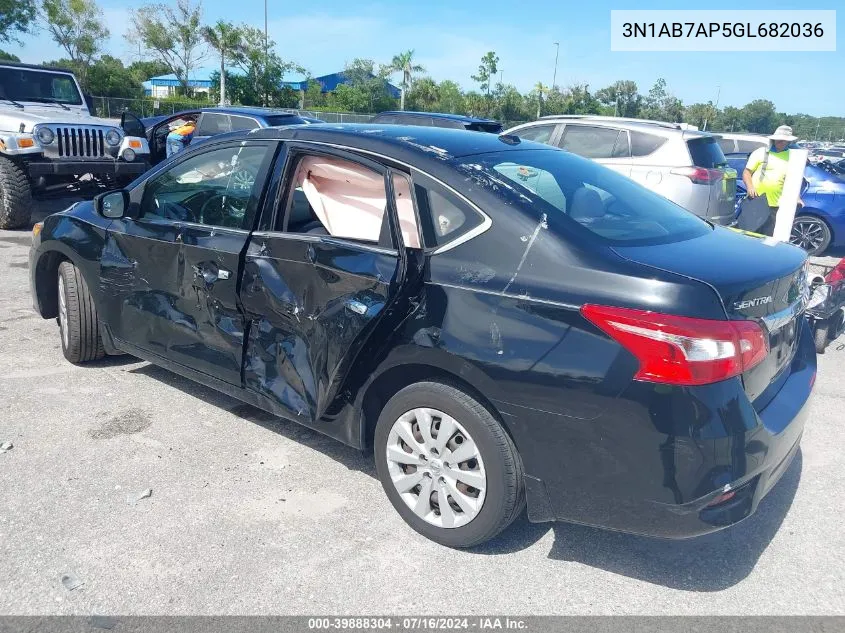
<point>557,51</point>
<point>266,55</point>
<point>718,94</point>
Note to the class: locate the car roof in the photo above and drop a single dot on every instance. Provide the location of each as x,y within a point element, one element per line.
<point>441,115</point>
<point>249,111</point>
<point>402,142</point>
<point>640,125</point>
<point>35,67</point>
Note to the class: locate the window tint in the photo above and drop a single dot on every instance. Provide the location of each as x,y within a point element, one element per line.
<point>582,198</point>
<point>643,144</point>
<point>213,188</point>
<point>242,123</point>
<point>727,145</point>
<point>746,147</point>
<point>281,119</point>
<point>338,197</point>
<point>705,152</point>
<point>212,123</point>
<point>388,119</point>
<point>492,128</point>
<point>444,217</point>
<point>589,141</point>
<point>19,84</point>
<point>623,147</point>
<point>538,133</point>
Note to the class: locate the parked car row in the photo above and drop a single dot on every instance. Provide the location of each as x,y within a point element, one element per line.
<point>503,323</point>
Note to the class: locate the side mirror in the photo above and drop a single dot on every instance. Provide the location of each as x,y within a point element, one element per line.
<point>112,204</point>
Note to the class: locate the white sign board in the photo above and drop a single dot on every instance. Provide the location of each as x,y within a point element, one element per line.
<point>790,195</point>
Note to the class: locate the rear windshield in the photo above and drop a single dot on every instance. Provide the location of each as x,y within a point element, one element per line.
<point>582,196</point>
<point>705,152</point>
<point>19,84</point>
<point>494,128</point>
<point>282,119</point>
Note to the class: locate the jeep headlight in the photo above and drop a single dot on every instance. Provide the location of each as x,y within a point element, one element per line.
<point>113,137</point>
<point>45,135</point>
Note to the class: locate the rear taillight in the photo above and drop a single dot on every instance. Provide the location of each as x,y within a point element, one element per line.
<point>681,350</point>
<point>699,175</point>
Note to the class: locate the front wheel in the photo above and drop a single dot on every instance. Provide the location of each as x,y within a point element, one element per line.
<point>78,323</point>
<point>810,233</point>
<point>447,465</point>
<point>15,196</point>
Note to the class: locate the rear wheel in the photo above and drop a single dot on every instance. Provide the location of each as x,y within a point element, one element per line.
<point>447,465</point>
<point>78,324</point>
<point>810,233</point>
<point>820,336</point>
<point>15,196</point>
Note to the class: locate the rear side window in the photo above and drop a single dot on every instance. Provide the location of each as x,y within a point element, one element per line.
<point>538,133</point>
<point>444,217</point>
<point>388,119</point>
<point>705,152</point>
<point>493,128</point>
<point>643,144</point>
<point>212,123</point>
<point>408,119</point>
<point>589,141</point>
<point>242,123</point>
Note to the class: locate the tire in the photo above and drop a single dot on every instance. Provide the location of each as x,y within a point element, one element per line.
<point>810,233</point>
<point>820,336</point>
<point>79,328</point>
<point>15,196</point>
<point>497,466</point>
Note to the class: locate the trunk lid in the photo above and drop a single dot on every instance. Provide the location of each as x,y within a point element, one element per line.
<point>760,279</point>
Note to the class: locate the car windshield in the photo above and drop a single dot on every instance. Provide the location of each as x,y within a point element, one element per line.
<point>582,196</point>
<point>23,84</point>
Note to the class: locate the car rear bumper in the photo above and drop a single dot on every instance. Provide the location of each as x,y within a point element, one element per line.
<point>666,484</point>
<point>68,168</point>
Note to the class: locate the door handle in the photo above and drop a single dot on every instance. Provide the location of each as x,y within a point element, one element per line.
<point>356,306</point>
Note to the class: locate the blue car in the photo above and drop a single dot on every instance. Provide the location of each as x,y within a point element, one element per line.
<point>820,224</point>
<point>209,122</point>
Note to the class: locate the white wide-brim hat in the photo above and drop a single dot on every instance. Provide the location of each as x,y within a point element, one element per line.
<point>783,133</point>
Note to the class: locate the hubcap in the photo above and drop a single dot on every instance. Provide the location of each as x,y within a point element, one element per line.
<point>436,468</point>
<point>808,234</point>
<point>63,311</point>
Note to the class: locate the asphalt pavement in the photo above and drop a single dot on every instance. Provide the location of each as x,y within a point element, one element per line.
<point>248,514</point>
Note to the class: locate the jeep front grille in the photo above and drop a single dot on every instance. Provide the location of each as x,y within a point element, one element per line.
<point>80,142</point>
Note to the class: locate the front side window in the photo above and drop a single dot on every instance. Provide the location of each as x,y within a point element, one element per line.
<point>583,198</point>
<point>338,197</point>
<point>589,141</point>
<point>213,188</point>
<point>20,84</point>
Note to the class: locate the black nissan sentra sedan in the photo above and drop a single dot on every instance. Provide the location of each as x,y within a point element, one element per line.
<point>502,322</point>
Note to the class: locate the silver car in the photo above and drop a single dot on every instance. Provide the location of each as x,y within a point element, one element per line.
<point>672,159</point>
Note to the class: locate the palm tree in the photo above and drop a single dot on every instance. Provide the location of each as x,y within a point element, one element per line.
<point>541,90</point>
<point>404,63</point>
<point>227,40</point>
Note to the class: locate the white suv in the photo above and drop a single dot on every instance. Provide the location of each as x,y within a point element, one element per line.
<point>675,160</point>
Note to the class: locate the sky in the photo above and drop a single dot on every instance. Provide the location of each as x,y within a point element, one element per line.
<point>449,39</point>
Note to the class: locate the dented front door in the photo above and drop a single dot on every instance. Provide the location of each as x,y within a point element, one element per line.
<point>312,301</point>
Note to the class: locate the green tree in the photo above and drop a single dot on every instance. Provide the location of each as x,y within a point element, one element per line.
<point>660,105</point>
<point>424,95</point>
<point>226,39</point>
<point>510,105</point>
<point>578,100</point>
<point>728,120</point>
<point>404,63</point>
<point>77,26</point>
<point>107,77</point>
<point>475,104</point>
<point>536,97</point>
<point>172,35</point>
<point>487,70</point>
<point>263,68</point>
<point>623,96</point>
<point>697,113</point>
<point>144,70</point>
<point>759,116</point>
<point>451,98</point>
<point>314,97</point>
<point>16,16</point>
<point>4,56</point>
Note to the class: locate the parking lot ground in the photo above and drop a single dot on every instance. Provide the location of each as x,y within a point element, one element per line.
<point>251,515</point>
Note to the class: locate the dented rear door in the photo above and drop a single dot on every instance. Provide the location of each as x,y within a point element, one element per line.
<point>312,300</point>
